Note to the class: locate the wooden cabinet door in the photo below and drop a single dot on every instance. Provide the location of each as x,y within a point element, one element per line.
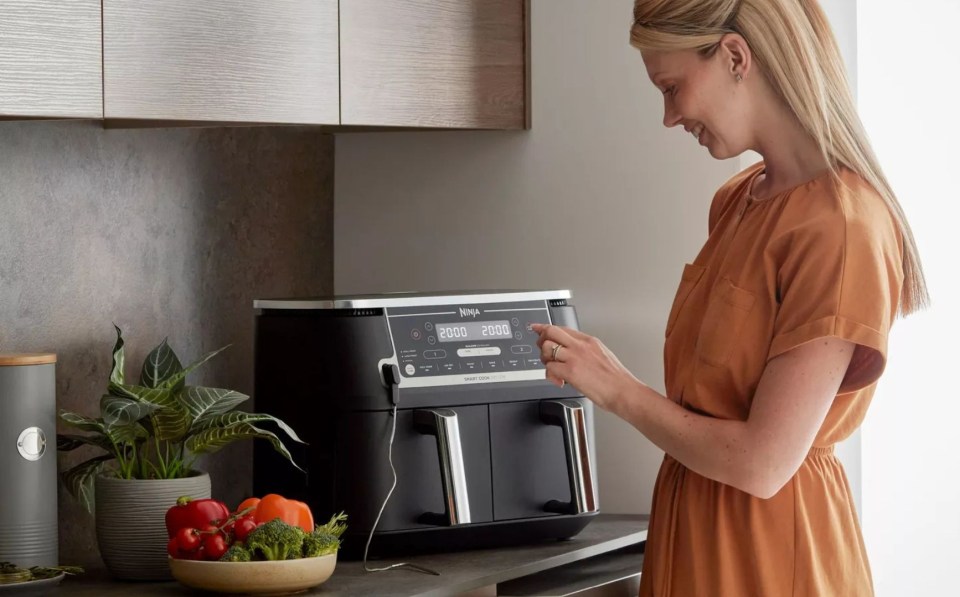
<point>433,63</point>
<point>50,59</point>
<point>267,61</point>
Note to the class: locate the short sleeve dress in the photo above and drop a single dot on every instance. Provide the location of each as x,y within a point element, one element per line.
<point>821,259</point>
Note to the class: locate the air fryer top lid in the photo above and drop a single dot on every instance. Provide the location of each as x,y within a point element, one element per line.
<point>8,359</point>
<point>411,299</point>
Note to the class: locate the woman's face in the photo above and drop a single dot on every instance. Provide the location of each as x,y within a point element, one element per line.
<point>701,94</point>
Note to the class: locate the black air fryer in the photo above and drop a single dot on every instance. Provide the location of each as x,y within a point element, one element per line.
<point>486,451</point>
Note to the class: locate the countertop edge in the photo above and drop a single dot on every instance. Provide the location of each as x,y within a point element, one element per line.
<point>539,566</point>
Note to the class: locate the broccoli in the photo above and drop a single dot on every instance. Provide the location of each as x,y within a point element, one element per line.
<point>325,539</point>
<point>276,540</point>
<point>236,553</point>
<point>319,543</point>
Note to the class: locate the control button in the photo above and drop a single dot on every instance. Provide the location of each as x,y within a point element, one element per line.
<point>530,327</point>
<point>431,340</point>
<point>448,367</point>
<point>513,363</point>
<point>416,334</point>
<point>521,349</point>
<point>534,364</point>
<point>485,351</point>
<point>428,368</point>
<point>471,365</point>
<point>410,369</point>
<point>492,365</point>
<point>518,335</point>
<point>428,326</point>
<point>434,354</point>
<point>516,322</point>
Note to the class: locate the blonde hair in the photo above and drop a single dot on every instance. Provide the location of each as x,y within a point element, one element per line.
<point>793,45</point>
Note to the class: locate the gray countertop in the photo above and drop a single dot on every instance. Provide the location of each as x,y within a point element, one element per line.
<point>459,571</point>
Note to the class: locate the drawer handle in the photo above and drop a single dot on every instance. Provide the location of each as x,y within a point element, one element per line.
<point>570,416</point>
<point>443,423</point>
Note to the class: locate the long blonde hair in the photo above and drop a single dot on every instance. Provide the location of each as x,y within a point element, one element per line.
<point>795,49</point>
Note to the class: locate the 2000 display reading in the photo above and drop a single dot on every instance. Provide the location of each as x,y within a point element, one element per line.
<point>473,330</point>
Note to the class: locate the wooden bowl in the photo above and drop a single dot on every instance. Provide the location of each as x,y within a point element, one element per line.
<point>286,576</point>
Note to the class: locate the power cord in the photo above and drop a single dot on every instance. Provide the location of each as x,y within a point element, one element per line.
<point>393,433</point>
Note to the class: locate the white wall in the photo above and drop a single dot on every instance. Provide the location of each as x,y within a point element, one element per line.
<point>909,93</point>
<point>843,20</point>
<point>598,197</point>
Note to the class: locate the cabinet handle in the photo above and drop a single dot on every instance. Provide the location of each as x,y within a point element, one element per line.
<point>443,423</point>
<point>570,416</point>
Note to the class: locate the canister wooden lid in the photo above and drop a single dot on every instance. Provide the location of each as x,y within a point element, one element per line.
<point>26,358</point>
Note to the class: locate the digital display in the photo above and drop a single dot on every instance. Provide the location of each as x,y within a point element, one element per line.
<point>473,330</point>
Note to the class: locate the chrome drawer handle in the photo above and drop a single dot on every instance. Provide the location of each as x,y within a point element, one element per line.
<point>443,423</point>
<point>570,416</point>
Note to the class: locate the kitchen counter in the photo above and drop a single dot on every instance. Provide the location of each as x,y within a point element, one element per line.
<point>472,572</point>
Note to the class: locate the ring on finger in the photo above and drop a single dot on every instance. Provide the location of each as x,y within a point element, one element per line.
<point>556,351</point>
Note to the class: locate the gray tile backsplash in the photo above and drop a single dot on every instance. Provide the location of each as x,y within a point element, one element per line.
<point>166,232</point>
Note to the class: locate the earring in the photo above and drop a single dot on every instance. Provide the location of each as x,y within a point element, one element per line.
<point>739,78</point>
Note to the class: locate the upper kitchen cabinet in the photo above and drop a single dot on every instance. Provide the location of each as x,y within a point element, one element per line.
<point>433,63</point>
<point>50,59</point>
<point>225,61</point>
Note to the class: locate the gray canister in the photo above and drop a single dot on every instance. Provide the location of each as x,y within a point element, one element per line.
<point>28,459</point>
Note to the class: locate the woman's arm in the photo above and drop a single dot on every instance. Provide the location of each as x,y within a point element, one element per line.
<point>758,455</point>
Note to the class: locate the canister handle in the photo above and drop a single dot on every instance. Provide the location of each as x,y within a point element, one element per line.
<point>570,416</point>
<point>443,423</point>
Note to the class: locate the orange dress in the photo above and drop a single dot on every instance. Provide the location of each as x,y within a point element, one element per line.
<point>821,259</point>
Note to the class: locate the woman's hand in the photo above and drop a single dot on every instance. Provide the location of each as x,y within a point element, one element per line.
<point>585,363</point>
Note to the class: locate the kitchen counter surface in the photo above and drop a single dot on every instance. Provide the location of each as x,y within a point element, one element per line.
<point>460,572</point>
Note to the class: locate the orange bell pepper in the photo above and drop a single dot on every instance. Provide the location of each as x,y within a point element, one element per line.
<point>273,506</point>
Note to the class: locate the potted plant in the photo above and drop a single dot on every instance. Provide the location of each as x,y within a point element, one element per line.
<point>151,433</point>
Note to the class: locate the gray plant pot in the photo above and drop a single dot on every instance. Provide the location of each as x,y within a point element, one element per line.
<point>131,532</point>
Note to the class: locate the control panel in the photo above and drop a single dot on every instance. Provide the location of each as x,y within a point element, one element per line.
<point>469,343</point>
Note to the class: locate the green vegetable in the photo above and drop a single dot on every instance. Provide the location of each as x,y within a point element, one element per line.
<point>276,540</point>
<point>10,573</point>
<point>236,553</point>
<point>41,572</point>
<point>325,539</point>
<point>319,543</point>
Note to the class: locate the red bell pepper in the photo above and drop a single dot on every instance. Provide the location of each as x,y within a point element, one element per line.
<point>195,514</point>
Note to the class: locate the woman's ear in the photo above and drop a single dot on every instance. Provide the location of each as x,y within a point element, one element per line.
<point>736,55</point>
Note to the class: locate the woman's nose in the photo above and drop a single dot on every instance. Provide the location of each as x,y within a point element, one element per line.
<point>670,116</point>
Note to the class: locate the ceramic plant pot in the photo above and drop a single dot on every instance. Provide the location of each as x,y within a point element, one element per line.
<point>131,532</point>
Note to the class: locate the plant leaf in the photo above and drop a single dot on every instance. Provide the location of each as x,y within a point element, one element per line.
<point>123,411</point>
<point>127,434</point>
<point>211,440</point>
<point>116,374</point>
<point>238,416</point>
<point>79,479</point>
<point>160,365</point>
<point>169,420</point>
<point>67,442</point>
<point>177,380</point>
<point>81,422</point>
<point>205,402</point>
<point>138,393</point>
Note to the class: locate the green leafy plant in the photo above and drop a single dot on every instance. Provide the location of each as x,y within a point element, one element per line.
<point>155,429</point>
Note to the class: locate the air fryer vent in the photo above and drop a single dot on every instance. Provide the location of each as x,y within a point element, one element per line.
<point>362,312</point>
<point>558,302</point>
<point>324,313</point>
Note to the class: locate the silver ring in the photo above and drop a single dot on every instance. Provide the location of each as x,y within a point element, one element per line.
<point>556,349</point>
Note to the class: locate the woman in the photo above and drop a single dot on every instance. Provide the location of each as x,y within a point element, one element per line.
<point>778,331</point>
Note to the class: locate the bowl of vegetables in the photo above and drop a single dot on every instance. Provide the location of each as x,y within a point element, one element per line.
<point>245,553</point>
